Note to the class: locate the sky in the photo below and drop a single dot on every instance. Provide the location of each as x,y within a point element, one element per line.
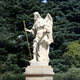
<point>44,1</point>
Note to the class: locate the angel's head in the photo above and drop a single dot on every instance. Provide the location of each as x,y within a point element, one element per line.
<point>36,15</point>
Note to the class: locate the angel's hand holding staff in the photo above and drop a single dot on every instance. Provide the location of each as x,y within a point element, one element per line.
<point>27,30</point>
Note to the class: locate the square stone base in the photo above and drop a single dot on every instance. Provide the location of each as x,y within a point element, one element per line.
<point>39,78</point>
<point>39,73</point>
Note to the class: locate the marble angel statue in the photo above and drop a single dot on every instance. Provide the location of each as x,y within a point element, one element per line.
<point>42,30</point>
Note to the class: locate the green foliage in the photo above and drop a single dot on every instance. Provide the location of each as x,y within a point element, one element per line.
<point>73,54</point>
<point>14,54</point>
<point>11,76</point>
<point>71,74</point>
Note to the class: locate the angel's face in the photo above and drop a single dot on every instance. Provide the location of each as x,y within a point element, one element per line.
<point>35,17</point>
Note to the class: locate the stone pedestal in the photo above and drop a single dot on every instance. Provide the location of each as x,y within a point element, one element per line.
<point>38,71</point>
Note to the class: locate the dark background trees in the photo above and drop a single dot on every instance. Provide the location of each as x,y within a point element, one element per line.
<point>14,54</point>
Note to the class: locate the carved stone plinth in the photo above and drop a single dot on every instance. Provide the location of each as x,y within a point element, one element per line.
<point>38,72</point>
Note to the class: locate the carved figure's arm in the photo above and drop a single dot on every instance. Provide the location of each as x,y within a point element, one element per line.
<point>27,30</point>
<point>31,31</point>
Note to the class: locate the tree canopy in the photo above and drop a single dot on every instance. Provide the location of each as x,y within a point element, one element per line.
<point>14,54</point>
<point>73,54</point>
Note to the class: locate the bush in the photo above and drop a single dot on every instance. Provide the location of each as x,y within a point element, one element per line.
<point>71,74</point>
<point>11,76</point>
<point>73,54</point>
<point>58,76</point>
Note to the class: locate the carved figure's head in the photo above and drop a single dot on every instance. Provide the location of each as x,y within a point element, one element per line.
<point>36,15</point>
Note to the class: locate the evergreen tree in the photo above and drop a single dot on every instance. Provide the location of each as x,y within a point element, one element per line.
<point>14,54</point>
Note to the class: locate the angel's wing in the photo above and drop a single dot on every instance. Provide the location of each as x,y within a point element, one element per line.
<point>49,24</point>
<point>49,20</point>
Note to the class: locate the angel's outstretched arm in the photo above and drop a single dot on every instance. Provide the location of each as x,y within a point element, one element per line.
<point>31,31</point>
<point>28,30</point>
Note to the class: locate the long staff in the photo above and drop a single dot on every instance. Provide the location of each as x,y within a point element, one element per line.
<point>27,40</point>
